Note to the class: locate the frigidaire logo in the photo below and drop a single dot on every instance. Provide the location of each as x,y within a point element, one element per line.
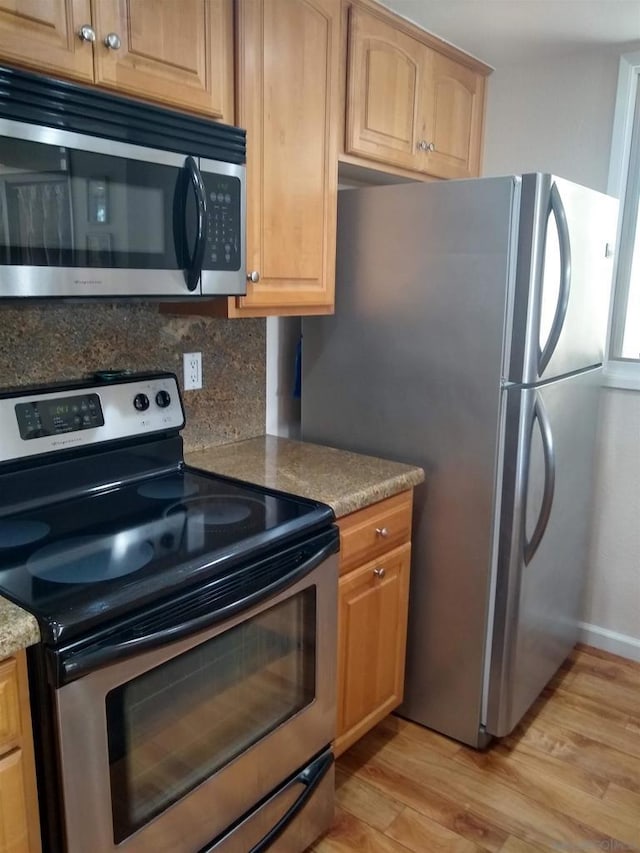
<point>66,441</point>
<point>87,281</point>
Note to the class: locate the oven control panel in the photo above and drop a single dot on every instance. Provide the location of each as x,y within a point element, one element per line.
<point>40,418</point>
<point>44,421</point>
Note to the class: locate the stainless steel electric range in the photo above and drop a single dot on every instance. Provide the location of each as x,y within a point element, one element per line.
<point>183,693</point>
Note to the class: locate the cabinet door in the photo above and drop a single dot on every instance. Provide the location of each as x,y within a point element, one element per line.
<point>14,835</point>
<point>372,634</point>
<point>288,63</point>
<point>179,53</point>
<point>384,85</point>
<point>43,34</point>
<point>454,105</point>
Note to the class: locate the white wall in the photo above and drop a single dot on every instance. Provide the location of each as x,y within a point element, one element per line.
<point>556,115</point>
<point>612,603</point>
<point>283,410</point>
<point>553,115</point>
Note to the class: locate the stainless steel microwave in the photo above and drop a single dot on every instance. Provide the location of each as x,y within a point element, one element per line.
<point>89,209</point>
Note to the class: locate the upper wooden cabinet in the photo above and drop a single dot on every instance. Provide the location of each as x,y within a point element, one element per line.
<point>178,53</point>
<point>408,104</point>
<point>43,34</point>
<point>288,101</point>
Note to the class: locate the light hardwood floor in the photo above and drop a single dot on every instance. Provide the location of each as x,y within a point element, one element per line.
<point>568,778</point>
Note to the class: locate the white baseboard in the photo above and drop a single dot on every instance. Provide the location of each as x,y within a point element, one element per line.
<point>610,641</point>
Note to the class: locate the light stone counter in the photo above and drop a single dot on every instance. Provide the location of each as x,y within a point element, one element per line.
<point>346,481</point>
<point>18,629</point>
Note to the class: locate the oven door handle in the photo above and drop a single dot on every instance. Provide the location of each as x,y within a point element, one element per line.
<point>310,778</point>
<point>75,661</point>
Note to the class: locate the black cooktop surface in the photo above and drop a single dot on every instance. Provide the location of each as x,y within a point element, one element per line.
<point>85,560</point>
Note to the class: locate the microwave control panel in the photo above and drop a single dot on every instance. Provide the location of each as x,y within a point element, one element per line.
<point>224,249</point>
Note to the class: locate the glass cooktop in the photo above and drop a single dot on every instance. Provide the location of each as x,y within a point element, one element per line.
<point>77,562</point>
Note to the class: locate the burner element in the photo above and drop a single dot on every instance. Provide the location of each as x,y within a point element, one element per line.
<point>14,533</point>
<point>167,488</point>
<point>87,559</point>
<point>222,511</point>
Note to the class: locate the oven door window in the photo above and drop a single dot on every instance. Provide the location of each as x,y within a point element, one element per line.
<point>178,724</point>
<point>64,207</point>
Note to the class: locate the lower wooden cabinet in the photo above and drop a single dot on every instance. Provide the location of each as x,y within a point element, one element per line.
<point>19,823</point>
<point>372,617</point>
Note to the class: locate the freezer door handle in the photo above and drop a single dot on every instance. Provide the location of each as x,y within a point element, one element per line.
<point>556,208</point>
<point>540,415</point>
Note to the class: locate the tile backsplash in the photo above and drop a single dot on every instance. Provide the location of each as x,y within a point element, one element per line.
<point>53,341</point>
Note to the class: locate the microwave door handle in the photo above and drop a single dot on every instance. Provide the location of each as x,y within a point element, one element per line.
<point>194,265</point>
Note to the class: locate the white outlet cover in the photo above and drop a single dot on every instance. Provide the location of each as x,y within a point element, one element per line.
<point>192,365</point>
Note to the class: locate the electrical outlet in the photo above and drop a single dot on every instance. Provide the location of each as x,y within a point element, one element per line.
<point>192,370</point>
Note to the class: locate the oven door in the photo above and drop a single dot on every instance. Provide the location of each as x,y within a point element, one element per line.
<point>82,216</point>
<point>165,750</point>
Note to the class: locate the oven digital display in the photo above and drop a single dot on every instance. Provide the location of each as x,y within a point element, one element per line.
<point>41,418</point>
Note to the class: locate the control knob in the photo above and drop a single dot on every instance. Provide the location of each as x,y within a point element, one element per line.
<point>163,399</point>
<point>141,402</point>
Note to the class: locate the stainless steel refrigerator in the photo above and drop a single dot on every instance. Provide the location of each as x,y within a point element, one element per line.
<point>468,339</point>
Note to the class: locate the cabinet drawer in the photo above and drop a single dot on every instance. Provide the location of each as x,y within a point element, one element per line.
<point>9,705</point>
<point>372,531</point>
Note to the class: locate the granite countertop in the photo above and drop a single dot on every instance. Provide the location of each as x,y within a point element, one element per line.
<point>346,481</point>
<point>18,629</point>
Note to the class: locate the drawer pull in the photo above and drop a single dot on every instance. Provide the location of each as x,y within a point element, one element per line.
<point>379,573</point>
<point>382,531</point>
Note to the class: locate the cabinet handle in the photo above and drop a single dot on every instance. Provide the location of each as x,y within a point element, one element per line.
<point>430,146</point>
<point>382,531</point>
<point>379,573</point>
<point>87,33</point>
<point>112,41</point>
<point>253,276</point>
<point>421,145</point>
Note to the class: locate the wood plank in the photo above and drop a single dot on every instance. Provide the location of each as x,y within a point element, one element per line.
<point>365,802</point>
<point>449,812</point>
<point>555,791</point>
<point>586,717</point>
<point>426,738</point>
<point>526,769</point>
<point>420,833</point>
<point>625,696</point>
<point>349,833</point>
<point>622,798</point>
<point>580,751</point>
<point>567,778</point>
<point>515,811</point>
<point>517,845</point>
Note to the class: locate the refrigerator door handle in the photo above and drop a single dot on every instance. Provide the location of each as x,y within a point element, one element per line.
<point>556,208</point>
<point>540,415</point>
